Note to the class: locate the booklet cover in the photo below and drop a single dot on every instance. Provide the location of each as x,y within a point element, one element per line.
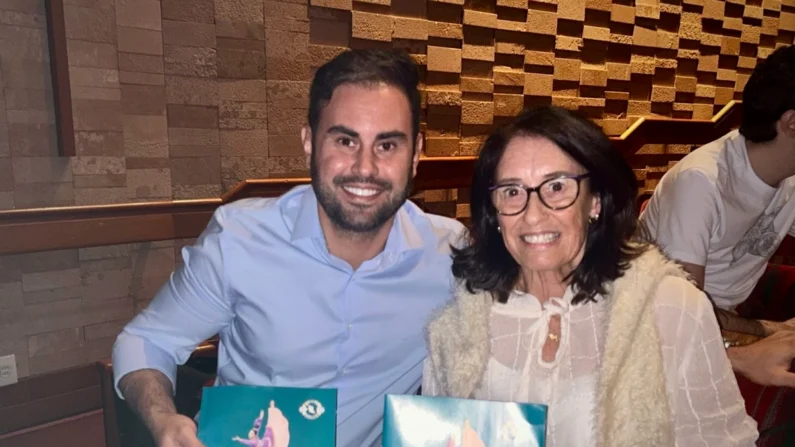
<point>423,421</point>
<point>254,416</point>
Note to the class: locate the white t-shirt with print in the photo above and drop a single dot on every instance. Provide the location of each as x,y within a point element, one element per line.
<point>711,209</point>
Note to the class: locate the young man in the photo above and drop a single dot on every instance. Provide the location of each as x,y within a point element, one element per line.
<point>723,210</point>
<point>327,286</point>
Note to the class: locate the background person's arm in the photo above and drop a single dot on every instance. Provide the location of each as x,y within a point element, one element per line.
<point>727,320</point>
<point>191,307</point>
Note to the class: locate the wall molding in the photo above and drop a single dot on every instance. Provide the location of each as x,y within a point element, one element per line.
<point>45,229</point>
<point>651,130</point>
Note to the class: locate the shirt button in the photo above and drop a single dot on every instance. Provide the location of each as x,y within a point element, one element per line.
<point>350,326</point>
<point>344,371</point>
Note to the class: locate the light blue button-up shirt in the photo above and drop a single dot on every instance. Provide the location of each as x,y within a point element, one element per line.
<point>290,314</point>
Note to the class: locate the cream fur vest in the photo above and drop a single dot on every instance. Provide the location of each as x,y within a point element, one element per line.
<point>632,407</point>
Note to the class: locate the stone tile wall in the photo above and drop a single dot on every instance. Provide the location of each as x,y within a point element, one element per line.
<point>178,99</point>
<point>64,308</point>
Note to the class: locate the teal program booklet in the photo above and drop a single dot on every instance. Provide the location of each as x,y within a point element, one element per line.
<point>259,416</point>
<point>423,421</point>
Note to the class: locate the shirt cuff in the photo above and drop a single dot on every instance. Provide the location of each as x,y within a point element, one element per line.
<point>132,353</point>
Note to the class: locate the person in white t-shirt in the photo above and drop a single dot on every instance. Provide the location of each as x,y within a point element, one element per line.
<point>723,210</point>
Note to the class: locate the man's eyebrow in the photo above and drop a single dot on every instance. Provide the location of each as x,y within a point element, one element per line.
<point>343,130</point>
<point>381,136</point>
<point>392,134</point>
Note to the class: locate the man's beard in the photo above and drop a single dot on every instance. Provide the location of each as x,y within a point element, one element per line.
<point>344,220</point>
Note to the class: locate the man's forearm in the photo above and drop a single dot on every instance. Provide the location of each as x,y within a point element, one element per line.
<point>727,321</point>
<point>730,321</point>
<point>149,393</point>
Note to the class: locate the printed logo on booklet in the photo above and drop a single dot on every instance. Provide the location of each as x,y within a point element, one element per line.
<point>312,409</point>
<point>268,417</point>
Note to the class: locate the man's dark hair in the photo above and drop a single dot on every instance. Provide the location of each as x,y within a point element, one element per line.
<point>366,67</point>
<point>486,263</point>
<point>769,93</point>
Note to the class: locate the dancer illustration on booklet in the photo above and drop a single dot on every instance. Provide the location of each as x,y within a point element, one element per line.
<point>253,434</point>
<point>277,432</point>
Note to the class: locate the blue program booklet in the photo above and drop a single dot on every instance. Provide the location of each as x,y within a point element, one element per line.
<point>423,421</point>
<point>258,416</point>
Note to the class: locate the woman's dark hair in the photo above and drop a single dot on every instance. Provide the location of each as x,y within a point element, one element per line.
<point>486,263</point>
<point>366,67</point>
<point>769,93</point>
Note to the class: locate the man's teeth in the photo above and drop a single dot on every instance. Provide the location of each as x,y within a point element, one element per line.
<point>362,192</point>
<point>543,238</point>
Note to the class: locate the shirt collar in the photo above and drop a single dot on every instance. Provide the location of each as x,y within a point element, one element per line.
<point>307,221</point>
<point>404,235</point>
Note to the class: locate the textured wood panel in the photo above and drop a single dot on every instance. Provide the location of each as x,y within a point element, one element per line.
<point>483,61</point>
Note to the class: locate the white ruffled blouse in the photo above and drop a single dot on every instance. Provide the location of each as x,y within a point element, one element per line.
<point>707,407</point>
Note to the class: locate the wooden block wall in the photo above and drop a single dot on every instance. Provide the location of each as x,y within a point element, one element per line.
<point>483,61</point>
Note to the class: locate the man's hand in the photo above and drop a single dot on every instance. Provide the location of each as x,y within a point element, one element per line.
<point>175,430</point>
<point>768,361</point>
<point>148,393</point>
<point>771,327</point>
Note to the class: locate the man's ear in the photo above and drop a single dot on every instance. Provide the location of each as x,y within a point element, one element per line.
<point>786,124</point>
<point>419,146</point>
<point>306,141</point>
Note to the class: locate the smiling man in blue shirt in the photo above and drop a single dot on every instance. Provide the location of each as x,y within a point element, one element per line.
<point>327,286</point>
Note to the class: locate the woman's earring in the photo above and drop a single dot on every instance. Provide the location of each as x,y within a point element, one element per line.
<point>593,219</point>
<point>499,229</point>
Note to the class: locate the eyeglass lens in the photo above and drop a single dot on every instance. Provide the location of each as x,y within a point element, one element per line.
<point>554,193</point>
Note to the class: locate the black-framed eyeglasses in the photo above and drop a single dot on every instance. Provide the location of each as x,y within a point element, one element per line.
<point>556,193</point>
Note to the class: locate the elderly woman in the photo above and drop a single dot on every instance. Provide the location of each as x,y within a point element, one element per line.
<point>558,305</point>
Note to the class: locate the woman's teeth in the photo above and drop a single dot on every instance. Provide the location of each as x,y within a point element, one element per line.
<point>362,192</point>
<point>543,238</point>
